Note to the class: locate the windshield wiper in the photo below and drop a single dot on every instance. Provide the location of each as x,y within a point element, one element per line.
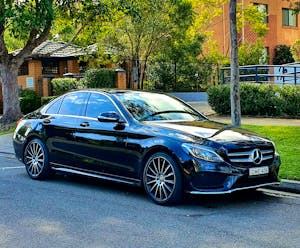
<point>169,111</point>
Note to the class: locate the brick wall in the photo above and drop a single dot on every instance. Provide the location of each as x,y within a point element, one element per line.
<point>35,72</point>
<point>277,34</point>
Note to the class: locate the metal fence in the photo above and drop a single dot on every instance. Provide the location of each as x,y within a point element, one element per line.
<point>275,74</point>
<point>174,76</point>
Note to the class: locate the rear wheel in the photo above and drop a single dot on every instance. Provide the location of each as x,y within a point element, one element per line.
<point>36,160</point>
<point>162,179</point>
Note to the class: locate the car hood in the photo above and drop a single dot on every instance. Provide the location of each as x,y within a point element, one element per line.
<point>211,130</point>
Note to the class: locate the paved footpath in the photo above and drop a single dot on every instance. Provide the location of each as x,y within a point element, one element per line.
<point>204,108</point>
<point>258,121</point>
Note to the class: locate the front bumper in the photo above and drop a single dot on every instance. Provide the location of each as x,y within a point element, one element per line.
<point>231,190</point>
<point>224,178</point>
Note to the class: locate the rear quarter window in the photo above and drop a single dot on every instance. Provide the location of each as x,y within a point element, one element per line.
<point>54,106</point>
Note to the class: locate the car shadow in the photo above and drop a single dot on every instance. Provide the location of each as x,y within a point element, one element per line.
<point>246,197</point>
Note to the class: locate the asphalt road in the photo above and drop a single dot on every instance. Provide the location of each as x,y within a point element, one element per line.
<point>68,212</point>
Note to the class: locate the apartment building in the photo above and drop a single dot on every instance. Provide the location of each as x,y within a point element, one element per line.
<point>281,20</point>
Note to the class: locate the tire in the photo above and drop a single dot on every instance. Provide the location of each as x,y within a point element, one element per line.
<point>162,179</point>
<point>36,160</point>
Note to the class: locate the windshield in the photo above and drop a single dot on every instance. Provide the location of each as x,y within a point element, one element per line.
<point>146,106</point>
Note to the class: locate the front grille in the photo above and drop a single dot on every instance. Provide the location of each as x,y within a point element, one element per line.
<point>244,157</point>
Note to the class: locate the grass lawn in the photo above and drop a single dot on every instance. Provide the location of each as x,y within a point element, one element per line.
<point>287,141</point>
<point>7,128</point>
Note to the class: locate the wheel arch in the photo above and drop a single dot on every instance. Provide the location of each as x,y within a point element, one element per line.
<point>157,149</point>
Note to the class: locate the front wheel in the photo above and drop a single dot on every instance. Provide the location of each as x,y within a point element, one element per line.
<point>36,160</point>
<point>162,179</point>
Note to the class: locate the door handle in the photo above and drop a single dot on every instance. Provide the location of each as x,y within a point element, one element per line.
<point>84,124</point>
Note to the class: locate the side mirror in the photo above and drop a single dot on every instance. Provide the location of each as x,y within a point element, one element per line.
<point>109,117</point>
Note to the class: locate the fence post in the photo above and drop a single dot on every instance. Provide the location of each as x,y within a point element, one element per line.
<point>295,75</point>
<point>256,74</point>
<point>223,75</point>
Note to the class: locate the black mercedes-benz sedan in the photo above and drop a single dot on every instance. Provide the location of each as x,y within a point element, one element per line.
<point>147,139</point>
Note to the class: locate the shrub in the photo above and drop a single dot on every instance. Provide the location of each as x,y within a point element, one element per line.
<point>62,85</point>
<point>282,55</point>
<point>252,54</point>
<point>29,101</point>
<point>257,99</point>
<point>219,98</point>
<point>290,100</point>
<point>99,78</point>
<point>46,99</point>
<point>180,76</point>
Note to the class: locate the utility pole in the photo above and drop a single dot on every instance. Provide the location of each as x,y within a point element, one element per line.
<point>234,68</point>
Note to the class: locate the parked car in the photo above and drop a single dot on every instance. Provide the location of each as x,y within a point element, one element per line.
<point>147,139</point>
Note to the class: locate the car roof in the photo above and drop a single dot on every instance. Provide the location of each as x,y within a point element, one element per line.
<point>112,91</point>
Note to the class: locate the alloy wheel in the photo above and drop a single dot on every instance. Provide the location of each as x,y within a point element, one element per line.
<point>34,158</point>
<point>159,178</point>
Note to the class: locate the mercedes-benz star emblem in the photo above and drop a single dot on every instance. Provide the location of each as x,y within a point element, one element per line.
<point>256,156</point>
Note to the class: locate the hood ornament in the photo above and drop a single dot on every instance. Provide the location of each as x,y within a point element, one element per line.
<point>256,156</point>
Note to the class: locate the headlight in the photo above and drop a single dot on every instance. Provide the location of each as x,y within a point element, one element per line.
<point>201,152</point>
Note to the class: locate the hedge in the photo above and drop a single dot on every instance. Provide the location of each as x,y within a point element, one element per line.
<point>99,78</point>
<point>29,101</point>
<point>258,99</point>
<point>62,85</point>
<point>46,99</point>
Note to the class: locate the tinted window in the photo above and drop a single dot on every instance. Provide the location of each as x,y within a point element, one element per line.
<point>53,109</point>
<point>74,104</point>
<point>151,106</point>
<point>97,104</point>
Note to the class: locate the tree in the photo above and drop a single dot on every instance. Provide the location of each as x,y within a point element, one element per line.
<point>234,65</point>
<point>206,12</point>
<point>176,65</point>
<point>294,4</point>
<point>295,49</point>
<point>252,54</point>
<point>141,29</point>
<point>26,20</point>
<point>29,24</point>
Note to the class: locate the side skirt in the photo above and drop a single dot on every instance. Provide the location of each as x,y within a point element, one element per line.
<point>62,168</point>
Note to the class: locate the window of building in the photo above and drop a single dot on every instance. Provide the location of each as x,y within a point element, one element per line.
<point>23,70</point>
<point>263,8</point>
<point>289,18</point>
<point>50,67</point>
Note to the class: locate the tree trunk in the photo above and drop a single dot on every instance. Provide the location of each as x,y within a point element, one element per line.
<point>144,68</point>
<point>234,68</point>
<point>11,105</point>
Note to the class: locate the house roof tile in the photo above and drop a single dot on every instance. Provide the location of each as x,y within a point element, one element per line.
<point>57,49</point>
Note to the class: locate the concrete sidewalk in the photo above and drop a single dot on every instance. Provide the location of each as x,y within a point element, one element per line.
<point>6,147</point>
<point>204,108</point>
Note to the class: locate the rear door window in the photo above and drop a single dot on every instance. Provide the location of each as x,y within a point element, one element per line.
<point>74,104</point>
